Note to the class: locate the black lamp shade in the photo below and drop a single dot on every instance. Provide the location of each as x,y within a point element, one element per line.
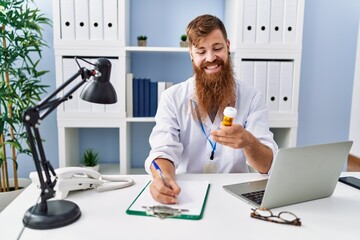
<point>100,90</point>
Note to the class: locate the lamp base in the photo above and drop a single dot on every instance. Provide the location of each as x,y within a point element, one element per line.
<point>59,213</point>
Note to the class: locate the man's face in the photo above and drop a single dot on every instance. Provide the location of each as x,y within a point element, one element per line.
<point>215,86</point>
<point>211,52</point>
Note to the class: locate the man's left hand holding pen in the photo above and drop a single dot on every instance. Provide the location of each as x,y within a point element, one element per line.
<point>164,188</point>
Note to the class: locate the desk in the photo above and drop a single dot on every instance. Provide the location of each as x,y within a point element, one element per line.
<point>225,216</point>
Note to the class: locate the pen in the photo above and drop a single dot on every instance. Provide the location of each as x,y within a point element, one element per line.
<point>157,168</point>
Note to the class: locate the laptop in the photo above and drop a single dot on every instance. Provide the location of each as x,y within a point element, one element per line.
<point>298,174</point>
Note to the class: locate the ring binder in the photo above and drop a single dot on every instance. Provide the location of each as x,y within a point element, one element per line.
<point>163,211</point>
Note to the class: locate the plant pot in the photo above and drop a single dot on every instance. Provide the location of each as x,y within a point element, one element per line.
<point>142,43</point>
<point>96,167</point>
<point>184,44</point>
<point>7,197</point>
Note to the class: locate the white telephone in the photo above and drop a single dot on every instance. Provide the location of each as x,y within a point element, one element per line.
<point>79,178</point>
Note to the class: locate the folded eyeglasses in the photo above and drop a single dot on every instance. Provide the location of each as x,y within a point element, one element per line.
<point>283,217</point>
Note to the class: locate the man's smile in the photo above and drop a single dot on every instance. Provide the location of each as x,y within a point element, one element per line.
<point>212,68</point>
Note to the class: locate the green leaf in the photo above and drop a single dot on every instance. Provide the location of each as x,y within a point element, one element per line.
<point>20,54</point>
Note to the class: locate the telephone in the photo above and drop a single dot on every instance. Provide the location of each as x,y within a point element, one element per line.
<point>79,178</point>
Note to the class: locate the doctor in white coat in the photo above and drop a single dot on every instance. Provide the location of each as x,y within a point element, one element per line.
<point>188,136</point>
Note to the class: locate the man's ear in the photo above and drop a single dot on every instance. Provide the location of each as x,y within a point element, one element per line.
<point>228,45</point>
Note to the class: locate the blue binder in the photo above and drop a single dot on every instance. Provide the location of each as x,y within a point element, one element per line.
<point>136,97</point>
<point>153,98</point>
<point>146,101</point>
<point>141,98</point>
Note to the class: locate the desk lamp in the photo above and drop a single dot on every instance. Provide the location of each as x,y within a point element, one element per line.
<point>58,213</point>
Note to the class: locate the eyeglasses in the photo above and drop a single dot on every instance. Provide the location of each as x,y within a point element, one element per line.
<point>284,217</point>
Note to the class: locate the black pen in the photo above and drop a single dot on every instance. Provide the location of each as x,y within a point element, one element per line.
<point>157,168</point>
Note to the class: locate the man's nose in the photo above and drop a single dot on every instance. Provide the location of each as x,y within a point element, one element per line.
<point>210,56</point>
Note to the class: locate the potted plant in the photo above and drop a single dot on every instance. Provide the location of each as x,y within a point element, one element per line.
<point>142,40</point>
<point>183,42</point>
<point>20,80</point>
<point>90,159</point>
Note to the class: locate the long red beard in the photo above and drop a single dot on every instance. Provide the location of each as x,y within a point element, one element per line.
<point>214,91</point>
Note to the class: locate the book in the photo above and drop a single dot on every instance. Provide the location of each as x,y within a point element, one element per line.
<point>136,111</point>
<point>146,101</point>
<point>141,94</point>
<point>153,98</point>
<point>162,86</point>
<point>145,96</point>
<point>192,200</point>
<point>129,94</point>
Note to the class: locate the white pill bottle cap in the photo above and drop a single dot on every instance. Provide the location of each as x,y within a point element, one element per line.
<point>230,112</point>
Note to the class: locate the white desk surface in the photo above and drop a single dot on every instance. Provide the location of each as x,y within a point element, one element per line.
<point>225,217</point>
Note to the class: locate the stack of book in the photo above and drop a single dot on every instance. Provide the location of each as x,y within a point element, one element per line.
<point>143,96</point>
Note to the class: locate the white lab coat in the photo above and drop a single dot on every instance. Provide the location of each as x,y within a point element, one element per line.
<point>177,135</point>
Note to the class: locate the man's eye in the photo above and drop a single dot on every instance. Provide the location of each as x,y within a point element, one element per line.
<point>218,49</point>
<point>200,53</point>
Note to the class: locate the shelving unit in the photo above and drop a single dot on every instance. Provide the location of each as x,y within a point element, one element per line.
<point>268,32</point>
<point>116,41</point>
<point>75,34</point>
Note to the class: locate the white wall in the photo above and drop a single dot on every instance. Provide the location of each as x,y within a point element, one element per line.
<point>327,70</point>
<point>354,131</point>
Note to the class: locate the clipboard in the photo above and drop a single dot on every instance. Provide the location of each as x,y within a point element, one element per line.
<point>192,201</point>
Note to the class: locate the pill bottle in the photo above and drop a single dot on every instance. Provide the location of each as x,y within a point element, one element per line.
<point>229,116</point>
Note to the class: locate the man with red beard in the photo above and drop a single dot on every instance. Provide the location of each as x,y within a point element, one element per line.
<point>188,136</point>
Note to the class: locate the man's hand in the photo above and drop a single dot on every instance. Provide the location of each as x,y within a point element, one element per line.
<point>258,155</point>
<point>158,189</point>
<point>234,136</point>
<point>163,194</point>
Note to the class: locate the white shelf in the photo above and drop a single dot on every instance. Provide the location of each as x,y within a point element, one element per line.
<point>86,44</point>
<point>157,49</point>
<point>140,119</point>
<point>109,169</point>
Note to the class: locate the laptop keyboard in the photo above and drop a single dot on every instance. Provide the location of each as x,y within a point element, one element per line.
<point>255,196</point>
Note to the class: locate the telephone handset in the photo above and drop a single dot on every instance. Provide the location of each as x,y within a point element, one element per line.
<point>78,178</point>
<point>69,172</point>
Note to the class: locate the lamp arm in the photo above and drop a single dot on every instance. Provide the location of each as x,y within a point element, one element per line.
<point>32,118</point>
<point>50,104</point>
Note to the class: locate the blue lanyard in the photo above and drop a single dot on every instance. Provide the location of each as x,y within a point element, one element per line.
<point>213,144</point>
